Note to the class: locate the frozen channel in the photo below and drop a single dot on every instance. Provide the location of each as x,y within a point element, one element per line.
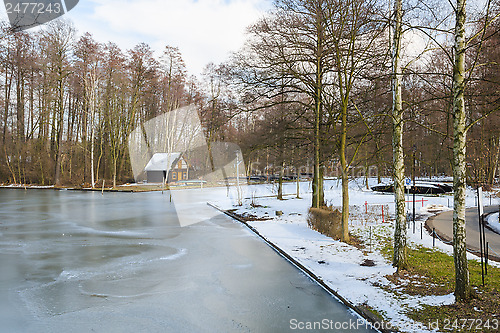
<point>120,262</point>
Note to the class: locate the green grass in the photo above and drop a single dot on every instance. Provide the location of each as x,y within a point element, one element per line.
<point>432,272</point>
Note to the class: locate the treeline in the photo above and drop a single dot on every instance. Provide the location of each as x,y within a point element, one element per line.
<point>321,70</point>
<point>68,105</point>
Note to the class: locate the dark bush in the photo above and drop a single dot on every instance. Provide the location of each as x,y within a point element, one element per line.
<point>326,220</point>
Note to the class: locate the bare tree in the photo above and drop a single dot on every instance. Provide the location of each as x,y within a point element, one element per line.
<point>353,43</point>
<point>288,49</point>
<point>463,290</point>
<point>400,259</point>
<point>58,39</point>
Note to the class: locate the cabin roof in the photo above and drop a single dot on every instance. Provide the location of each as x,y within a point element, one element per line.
<point>162,161</point>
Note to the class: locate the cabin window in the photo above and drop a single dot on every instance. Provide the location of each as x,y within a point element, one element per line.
<point>174,175</point>
<point>184,175</point>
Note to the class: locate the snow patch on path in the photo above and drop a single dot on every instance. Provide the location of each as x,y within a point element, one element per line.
<point>493,222</point>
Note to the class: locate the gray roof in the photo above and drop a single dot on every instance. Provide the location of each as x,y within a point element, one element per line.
<point>162,161</point>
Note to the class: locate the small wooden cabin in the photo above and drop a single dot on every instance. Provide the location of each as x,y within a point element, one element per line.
<point>169,167</point>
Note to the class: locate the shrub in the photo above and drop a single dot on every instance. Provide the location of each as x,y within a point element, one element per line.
<point>326,221</point>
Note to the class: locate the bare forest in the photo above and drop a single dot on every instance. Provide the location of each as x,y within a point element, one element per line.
<point>310,92</point>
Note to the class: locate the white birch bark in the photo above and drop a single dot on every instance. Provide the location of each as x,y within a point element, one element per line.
<point>91,83</point>
<point>400,260</point>
<point>462,282</point>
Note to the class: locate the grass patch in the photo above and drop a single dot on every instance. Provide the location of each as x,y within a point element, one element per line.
<point>432,272</point>
<point>373,313</point>
<point>429,273</point>
<point>481,314</point>
<point>355,241</point>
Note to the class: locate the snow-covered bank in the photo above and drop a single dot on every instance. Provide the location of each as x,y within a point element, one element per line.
<point>27,186</point>
<point>344,267</point>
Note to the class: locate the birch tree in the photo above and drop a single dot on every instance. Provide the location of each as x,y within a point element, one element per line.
<point>91,87</point>
<point>87,70</point>
<point>462,282</point>
<point>400,257</point>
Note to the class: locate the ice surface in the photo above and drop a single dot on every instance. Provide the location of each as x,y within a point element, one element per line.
<point>120,262</point>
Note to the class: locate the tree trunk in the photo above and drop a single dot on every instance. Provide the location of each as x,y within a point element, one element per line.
<point>462,283</point>
<point>280,181</point>
<point>400,258</point>
<point>114,171</point>
<point>92,138</point>
<point>20,106</point>
<point>495,163</point>
<point>367,168</point>
<point>7,89</point>
<point>59,132</point>
<point>345,176</point>
<point>316,201</point>
<point>317,186</point>
<point>298,182</point>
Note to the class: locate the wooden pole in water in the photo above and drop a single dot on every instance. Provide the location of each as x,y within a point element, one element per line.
<point>102,191</point>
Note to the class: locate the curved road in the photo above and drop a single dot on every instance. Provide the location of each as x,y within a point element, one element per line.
<point>444,228</point>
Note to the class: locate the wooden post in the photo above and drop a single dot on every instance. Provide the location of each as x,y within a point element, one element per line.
<point>481,228</point>
<point>433,237</point>
<point>370,239</point>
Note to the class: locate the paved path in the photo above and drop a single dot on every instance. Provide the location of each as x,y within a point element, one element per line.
<point>444,228</point>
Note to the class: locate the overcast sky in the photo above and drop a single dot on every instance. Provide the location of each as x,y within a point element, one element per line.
<point>204,30</point>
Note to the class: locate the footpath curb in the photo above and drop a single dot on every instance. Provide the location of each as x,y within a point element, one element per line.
<point>362,311</point>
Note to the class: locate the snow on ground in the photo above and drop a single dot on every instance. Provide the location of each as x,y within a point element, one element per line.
<point>27,186</point>
<point>494,222</point>
<point>337,263</point>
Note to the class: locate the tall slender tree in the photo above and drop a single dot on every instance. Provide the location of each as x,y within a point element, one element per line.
<point>400,260</point>
<point>462,282</point>
<point>289,50</point>
<point>354,49</point>
<point>58,40</point>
